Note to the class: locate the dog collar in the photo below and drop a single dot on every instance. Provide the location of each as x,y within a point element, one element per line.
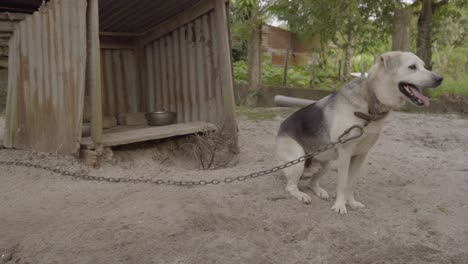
<point>370,117</point>
<point>373,114</point>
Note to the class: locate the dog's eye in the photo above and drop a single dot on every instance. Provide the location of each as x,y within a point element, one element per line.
<point>413,67</point>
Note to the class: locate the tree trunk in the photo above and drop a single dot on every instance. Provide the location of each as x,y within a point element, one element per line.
<point>348,56</point>
<point>286,62</point>
<point>424,38</point>
<point>312,73</point>
<point>401,38</point>
<point>254,63</point>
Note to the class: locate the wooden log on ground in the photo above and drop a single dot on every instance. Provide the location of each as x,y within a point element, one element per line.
<point>281,100</point>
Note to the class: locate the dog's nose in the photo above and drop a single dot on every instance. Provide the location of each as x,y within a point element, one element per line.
<point>438,79</point>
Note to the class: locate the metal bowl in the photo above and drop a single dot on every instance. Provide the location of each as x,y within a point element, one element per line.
<point>161,118</point>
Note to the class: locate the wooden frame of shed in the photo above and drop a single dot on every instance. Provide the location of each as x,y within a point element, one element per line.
<point>89,59</point>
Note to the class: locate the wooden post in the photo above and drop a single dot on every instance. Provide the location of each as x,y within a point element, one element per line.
<point>225,64</point>
<point>286,61</point>
<point>339,70</point>
<point>93,72</point>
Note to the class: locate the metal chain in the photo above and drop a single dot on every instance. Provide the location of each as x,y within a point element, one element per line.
<point>76,175</point>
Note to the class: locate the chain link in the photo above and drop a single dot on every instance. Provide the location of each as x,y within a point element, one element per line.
<point>341,140</point>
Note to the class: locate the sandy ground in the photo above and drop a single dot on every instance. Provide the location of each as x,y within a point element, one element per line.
<point>416,193</point>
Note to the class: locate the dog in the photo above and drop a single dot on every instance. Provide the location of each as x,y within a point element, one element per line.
<point>396,78</point>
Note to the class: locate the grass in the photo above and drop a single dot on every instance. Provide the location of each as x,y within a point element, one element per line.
<point>263,114</point>
<point>450,86</point>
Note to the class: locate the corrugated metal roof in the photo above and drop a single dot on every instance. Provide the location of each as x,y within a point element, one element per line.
<point>27,6</point>
<point>136,16</point>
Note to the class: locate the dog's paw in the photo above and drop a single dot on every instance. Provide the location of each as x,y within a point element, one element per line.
<point>356,205</point>
<point>320,192</point>
<point>303,197</point>
<point>339,207</point>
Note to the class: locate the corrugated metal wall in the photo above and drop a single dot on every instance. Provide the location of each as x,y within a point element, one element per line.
<point>182,73</point>
<point>120,88</point>
<point>47,78</point>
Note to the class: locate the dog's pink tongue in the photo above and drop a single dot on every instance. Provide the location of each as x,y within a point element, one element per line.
<point>419,95</point>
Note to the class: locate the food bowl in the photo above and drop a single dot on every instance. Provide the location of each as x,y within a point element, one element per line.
<point>161,118</point>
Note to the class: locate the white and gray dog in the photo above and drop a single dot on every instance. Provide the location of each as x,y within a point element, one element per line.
<point>397,77</point>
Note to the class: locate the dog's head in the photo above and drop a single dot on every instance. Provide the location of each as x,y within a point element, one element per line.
<point>400,76</point>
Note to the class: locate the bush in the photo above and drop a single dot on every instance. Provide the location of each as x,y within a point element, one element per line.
<point>298,75</point>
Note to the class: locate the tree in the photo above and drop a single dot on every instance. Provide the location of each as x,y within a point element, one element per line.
<point>248,17</point>
<point>424,38</point>
<point>350,25</point>
<point>401,35</point>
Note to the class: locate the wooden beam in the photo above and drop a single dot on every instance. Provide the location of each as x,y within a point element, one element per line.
<point>13,16</point>
<point>224,58</point>
<point>175,22</point>
<point>7,26</point>
<point>4,42</point>
<point>113,42</point>
<point>3,63</point>
<point>3,51</point>
<point>93,72</point>
<point>225,66</point>
<point>120,34</point>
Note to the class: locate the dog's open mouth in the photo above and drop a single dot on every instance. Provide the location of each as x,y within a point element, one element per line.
<point>414,94</point>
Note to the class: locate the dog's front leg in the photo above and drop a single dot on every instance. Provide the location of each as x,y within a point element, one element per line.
<point>354,169</point>
<point>344,158</point>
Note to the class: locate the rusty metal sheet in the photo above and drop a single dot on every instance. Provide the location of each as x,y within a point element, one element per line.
<point>47,78</point>
<point>138,16</point>
<point>182,73</point>
<point>119,81</point>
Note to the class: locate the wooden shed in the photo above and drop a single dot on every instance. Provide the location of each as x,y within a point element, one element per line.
<point>77,61</point>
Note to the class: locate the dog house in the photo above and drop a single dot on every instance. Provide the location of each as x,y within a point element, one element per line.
<point>78,61</point>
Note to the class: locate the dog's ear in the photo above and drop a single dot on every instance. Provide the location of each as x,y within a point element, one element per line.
<point>391,61</point>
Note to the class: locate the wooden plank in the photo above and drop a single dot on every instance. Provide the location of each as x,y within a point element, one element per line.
<point>3,51</point>
<point>94,71</point>
<point>4,41</point>
<point>7,26</point>
<point>149,133</point>
<point>13,16</point>
<point>4,62</point>
<point>175,22</point>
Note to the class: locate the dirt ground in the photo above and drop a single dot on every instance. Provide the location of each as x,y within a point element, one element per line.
<point>415,192</point>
